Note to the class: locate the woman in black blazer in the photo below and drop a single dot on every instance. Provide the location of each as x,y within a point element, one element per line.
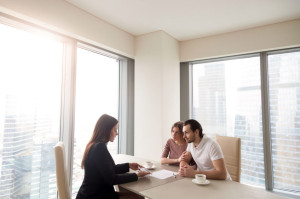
<point>101,172</point>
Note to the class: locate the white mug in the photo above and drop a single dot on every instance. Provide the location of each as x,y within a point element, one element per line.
<point>149,164</point>
<point>201,178</point>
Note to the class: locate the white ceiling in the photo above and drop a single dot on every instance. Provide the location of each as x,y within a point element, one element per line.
<point>190,19</point>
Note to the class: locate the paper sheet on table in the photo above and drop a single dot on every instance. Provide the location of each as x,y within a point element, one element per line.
<point>163,174</point>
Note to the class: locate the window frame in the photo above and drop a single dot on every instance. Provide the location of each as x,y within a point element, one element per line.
<point>126,96</point>
<point>126,104</point>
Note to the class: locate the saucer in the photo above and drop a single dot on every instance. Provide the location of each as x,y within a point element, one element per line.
<point>205,183</point>
<point>149,168</point>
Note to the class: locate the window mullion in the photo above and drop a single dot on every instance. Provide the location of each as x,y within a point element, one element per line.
<point>185,91</point>
<point>126,107</point>
<point>266,122</point>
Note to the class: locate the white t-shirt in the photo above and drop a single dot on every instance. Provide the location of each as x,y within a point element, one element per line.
<point>207,151</point>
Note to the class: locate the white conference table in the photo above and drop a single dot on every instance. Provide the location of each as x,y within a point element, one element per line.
<point>180,187</point>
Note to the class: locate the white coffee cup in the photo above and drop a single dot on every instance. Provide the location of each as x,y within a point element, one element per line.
<point>201,178</point>
<point>148,164</point>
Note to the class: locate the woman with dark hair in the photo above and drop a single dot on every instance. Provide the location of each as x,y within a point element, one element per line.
<point>101,172</point>
<point>175,146</point>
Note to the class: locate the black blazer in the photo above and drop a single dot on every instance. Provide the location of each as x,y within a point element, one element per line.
<point>101,173</point>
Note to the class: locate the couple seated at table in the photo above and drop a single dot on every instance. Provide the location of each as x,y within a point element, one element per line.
<point>187,145</point>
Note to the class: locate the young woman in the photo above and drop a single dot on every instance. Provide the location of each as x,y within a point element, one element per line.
<point>101,172</point>
<point>175,146</point>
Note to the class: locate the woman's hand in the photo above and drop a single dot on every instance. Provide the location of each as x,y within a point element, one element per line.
<point>185,156</point>
<point>135,166</point>
<point>181,158</point>
<point>142,173</point>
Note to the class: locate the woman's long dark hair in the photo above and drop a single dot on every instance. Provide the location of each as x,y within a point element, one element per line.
<point>101,133</point>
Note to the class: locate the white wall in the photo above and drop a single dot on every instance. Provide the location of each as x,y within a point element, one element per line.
<point>171,85</point>
<point>62,17</point>
<point>276,36</point>
<point>156,92</point>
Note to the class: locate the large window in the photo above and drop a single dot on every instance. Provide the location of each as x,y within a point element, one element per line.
<point>97,92</point>
<point>227,97</point>
<point>227,101</point>
<point>30,94</point>
<point>41,76</point>
<point>284,99</point>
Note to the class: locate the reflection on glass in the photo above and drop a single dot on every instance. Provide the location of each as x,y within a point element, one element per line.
<point>284,98</point>
<point>227,101</point>
<point>30,92</point>
<point>97,92</point>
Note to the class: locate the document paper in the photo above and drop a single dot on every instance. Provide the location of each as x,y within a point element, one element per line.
<point>163,174</point>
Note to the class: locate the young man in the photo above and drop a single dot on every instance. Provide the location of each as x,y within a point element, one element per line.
<point>206,153</point>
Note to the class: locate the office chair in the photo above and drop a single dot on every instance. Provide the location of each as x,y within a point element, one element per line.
<point>61,172</point>
<point>231,147</point>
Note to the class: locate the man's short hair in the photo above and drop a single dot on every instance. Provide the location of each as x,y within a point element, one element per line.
<point>194,125</point>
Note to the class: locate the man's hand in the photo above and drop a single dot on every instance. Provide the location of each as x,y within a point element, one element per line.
<point>187,171</point>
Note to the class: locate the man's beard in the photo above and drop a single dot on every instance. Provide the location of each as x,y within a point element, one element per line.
<point>190,140</point>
